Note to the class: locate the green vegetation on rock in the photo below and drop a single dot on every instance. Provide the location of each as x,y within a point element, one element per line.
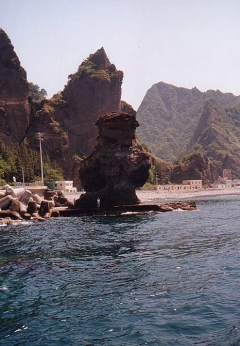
<point>97,67</point>
<point>36,93</point>
<point>176,121</point>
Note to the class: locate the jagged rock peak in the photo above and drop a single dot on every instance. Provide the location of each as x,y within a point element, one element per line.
<point>97,66</point>
<point>94,89</point>
<point>8,57</point>
<point>100,59</point>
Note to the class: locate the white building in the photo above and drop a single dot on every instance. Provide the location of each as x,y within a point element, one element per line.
<point>195,184</point>
<point>65,186</point>
<point>185,186</point>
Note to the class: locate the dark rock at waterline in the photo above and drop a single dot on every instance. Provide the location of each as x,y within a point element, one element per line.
<point>32,207</point>
<point>129,209</point>
<point>58,197</point>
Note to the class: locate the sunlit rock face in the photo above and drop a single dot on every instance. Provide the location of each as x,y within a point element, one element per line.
<point>117,166</point>
<point>14,106</point>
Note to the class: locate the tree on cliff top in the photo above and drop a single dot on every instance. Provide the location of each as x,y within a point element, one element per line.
<point>36,93</point>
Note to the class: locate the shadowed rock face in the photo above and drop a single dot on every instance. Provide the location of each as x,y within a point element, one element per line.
<point>14,106</point>
<point>94,89</point>
<point>117,166</point>
<point>67,120</point>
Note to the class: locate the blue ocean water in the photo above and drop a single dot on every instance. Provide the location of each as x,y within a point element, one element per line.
<point>153,279</point>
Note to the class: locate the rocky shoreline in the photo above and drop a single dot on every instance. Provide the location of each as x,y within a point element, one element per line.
<point>129,209</point>
<point>18,204</point>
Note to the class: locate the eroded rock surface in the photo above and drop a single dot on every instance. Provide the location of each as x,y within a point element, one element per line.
<point>14,106</point>
<point>117,166</point>
<point>67,120</point>
<point>94,89</point>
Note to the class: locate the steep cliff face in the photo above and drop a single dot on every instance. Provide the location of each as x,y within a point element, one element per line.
<point>14,106</point>
<point>93,90</point>
<point>67,121</point>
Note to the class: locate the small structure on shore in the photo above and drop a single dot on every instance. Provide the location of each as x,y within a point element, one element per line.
<point>117,166</point>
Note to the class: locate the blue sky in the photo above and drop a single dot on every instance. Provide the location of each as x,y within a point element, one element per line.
<point>182,42</point>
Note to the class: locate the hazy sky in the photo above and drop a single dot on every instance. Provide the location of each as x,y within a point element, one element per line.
<point>182,42</point>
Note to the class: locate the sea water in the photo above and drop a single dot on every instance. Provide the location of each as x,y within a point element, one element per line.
<point>152,279</point>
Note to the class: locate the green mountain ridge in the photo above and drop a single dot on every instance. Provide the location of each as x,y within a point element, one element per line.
<point>169,115</point>
<point>177,121</point>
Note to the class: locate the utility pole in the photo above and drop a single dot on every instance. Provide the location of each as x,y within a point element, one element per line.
<point>39,136</point>
<point>23,182</point>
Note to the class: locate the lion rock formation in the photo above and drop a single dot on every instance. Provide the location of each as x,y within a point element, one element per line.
<point>117,165</point>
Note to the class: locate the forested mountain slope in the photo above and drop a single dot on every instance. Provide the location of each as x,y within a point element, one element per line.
<point>218,136</point>
<point>169,115</point>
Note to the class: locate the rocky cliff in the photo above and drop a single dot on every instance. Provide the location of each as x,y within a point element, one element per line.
<point>194,166</point>
<point>14,106</point>
<point>67,121</point>
<point>93,90</point>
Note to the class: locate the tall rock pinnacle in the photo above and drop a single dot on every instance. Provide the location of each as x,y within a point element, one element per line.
<point>94,89</point>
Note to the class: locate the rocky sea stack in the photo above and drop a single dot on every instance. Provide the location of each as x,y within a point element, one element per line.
<point>117,166</point>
